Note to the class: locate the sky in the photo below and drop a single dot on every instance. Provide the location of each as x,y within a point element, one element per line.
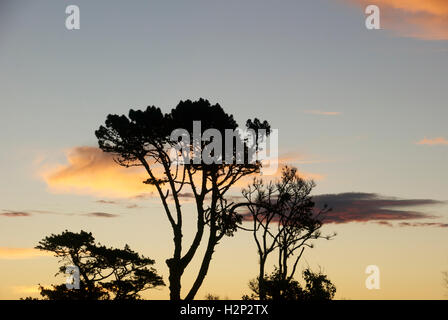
<point>362,112</point>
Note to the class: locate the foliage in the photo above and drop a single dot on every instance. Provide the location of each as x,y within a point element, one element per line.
<point>317,287</point>
<point>105,273</point>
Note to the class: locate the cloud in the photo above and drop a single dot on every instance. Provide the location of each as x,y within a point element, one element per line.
<point>21,253</point>
<point>133,206</point>
<point>433,142</point>
<point>106,201</point>
<point>371,207</point>
<point>101,215</point>
<point>384,223</point>
<point>423,19</point>
<point>119,203</point>
<point>423,224</point>
<point>184,195</point>
<point>91,171</point>
<point>365,207</point>
<point>413,224</point>
<point>14,214</point>
<point>322,113</point>
<point>144,196</point>
<point>25,213</point>
<point>8,213</point>
<point>187,195</point>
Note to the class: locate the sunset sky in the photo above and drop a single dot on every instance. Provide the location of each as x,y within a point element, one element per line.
<point>362,112</point>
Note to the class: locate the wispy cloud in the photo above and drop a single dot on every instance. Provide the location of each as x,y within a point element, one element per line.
<point>371,207</point>
<point>413,224</point>
<point>323,113</point>
<point>106,201</point>
<point>423,224</point>
<point>365,207</point>
<point>29,213</point>
<point>144,196</point>
<point>101,215</point>
<point>423,19</point>
<point>14,214</point>
<point>433,142</point>
<point>126,205</point>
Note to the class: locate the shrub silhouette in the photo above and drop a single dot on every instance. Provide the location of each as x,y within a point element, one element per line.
<point>317,288</point>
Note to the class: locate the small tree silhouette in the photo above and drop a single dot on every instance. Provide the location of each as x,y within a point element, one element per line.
<point>284,220</point>
<point>105,273</point>
<point>317,287</point>
<point>211,296</point>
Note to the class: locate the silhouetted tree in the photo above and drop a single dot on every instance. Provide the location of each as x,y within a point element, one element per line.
<point>105,273</point>
<point>317,288</point>
<point>143,139</point>
<point>211,296</point>
<point>284,221</point>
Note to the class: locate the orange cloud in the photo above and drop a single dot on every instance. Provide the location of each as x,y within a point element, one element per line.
<point>91,171</point>
<point>423,19</point>
<point>21,253</point>
<point>433,142</point>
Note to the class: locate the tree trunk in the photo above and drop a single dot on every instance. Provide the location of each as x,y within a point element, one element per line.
<point>204,268</point>
<point>174,278</point>
<point>261,286</point>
